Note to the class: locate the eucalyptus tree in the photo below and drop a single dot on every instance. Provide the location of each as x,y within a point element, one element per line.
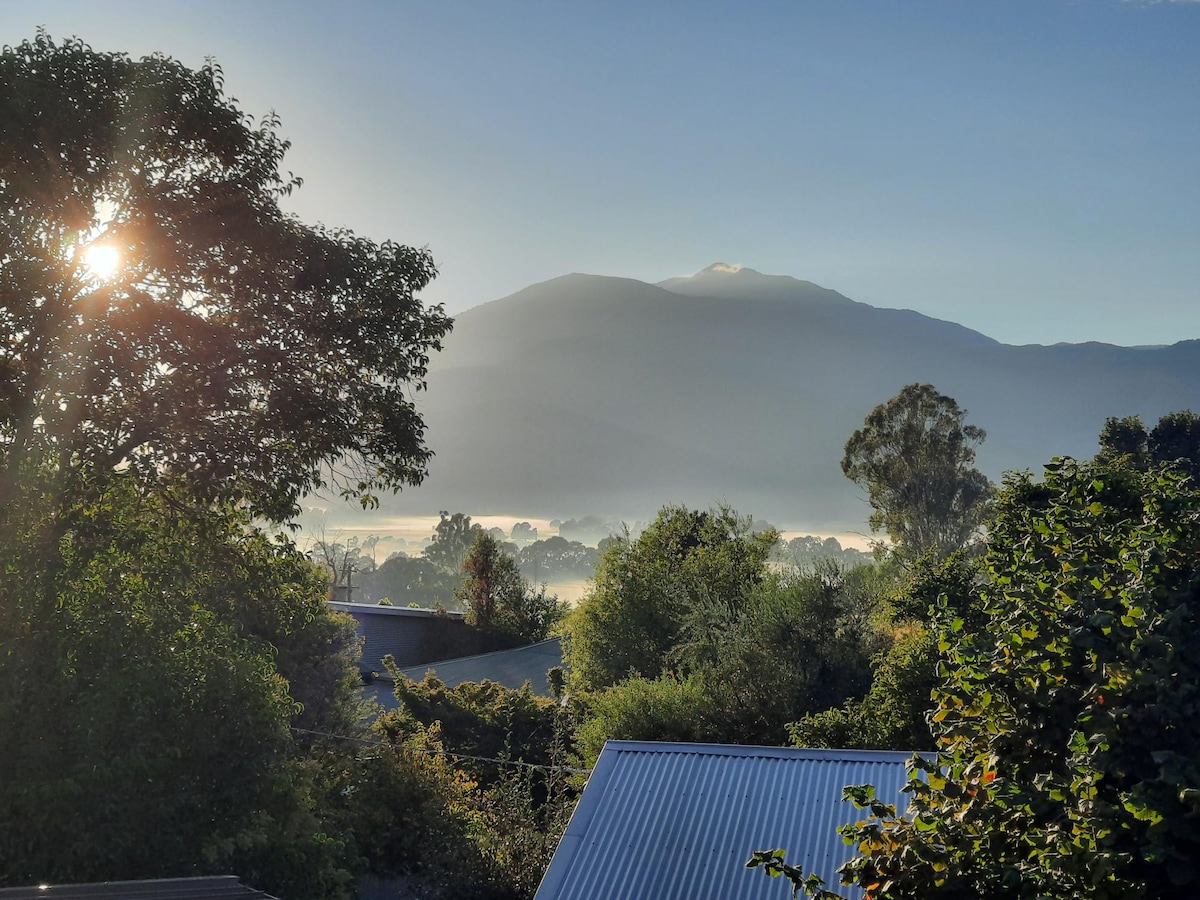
<point>1173,441</point>
<point>915,456</point>
<point>161,314</point>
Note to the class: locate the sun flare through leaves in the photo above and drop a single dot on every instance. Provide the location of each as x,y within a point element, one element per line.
<point>102,261</point>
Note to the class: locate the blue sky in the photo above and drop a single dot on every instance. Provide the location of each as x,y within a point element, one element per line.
<point>1029,169</point>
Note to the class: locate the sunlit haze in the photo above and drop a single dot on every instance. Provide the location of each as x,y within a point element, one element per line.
<point>102,261</point>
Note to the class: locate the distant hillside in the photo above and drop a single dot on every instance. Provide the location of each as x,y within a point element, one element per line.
<point>590,394</point>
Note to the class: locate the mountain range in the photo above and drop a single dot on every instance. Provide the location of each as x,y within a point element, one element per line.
<point>611,396</point>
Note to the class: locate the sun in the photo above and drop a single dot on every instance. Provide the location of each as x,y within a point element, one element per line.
<point>102,261</point>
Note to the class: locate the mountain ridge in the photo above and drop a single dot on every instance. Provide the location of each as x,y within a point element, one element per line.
<point>597,394</point>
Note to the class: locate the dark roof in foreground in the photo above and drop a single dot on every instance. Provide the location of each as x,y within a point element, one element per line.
<point>212,887</point>
<point>673,820</point>
<point>511,668</point>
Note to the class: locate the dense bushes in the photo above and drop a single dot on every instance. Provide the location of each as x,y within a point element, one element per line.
<point>153,656</point>
<point>690,634</point>
<point>1067,738</point>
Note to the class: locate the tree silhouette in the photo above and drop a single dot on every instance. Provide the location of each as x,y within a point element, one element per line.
<point>226,342</point>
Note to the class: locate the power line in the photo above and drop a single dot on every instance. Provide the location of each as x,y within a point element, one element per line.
<point>431,752</point>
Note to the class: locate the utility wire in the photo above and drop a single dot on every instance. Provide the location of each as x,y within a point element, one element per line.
<point>430,752</point>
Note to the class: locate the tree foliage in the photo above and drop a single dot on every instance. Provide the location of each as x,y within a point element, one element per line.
<point>729,651</point>
<point>452,538</point>
<point>557,556</point>
<point>645,588</point>
<point>152,658</point>
<point>1174,441</point>
<point>485,719</point>
<point>406,581</point>
<point>665,708</point>
<point>171,678</point>
<point>498,599</point>
<point>410,812</point>
<point>688,635</point>
<point>345,561</point>
<point>1126,440</point>
<point>807,551</point>
<point>512,747</point>
<point>233,345</point>
<point>1068,761</point>
<point>797,644</point>
<point>893,715</point>
<point>915,458</point>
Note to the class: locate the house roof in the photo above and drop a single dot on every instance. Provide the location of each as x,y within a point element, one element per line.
<point>213,887</point>
<point>374,609</point>
<point>674,820</point>
<point>409,635</point>
<point>511,668</point>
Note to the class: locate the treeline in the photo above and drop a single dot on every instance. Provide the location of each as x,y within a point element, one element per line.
<point>689,634</point>
<point>1063,760</point>
<point>434,578</point>
<point>1042,662</point>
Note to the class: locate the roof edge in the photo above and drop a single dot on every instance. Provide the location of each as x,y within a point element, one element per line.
<point>375,609</point>
<point>760,751</point>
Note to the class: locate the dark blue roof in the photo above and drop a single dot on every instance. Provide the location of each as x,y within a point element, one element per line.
<point>674,820</point>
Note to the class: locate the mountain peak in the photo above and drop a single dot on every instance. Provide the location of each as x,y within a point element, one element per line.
<point>720,268</point>
<point>743,283</point>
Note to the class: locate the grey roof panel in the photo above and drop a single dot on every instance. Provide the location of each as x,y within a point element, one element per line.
<point>511,668</point>
<point>672,820</point>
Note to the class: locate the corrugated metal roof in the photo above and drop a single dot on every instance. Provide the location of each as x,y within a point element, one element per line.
<point>212,887</point>
<point>673,820</point>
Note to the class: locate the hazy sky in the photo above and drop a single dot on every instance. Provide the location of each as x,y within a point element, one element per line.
<point>1029,169</point>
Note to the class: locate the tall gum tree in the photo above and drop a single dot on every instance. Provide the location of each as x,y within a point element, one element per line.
<point>915,456</point>
<point>160,313</point>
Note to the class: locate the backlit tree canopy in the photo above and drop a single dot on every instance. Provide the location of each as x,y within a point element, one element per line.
<point>160,312</point>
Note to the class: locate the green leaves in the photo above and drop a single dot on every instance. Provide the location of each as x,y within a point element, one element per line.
<point>773,863</point>
<point>152,658</point>
<point>234,347</point>
<point>686,564</point>
<point>915,458</point>
<point>505,607</point>
<point>1067,721</point>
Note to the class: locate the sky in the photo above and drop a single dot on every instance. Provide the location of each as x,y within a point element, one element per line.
<point>1030,168</point>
